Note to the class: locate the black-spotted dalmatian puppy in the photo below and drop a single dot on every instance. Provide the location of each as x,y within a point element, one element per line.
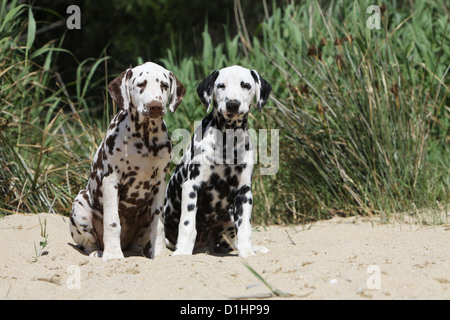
<point>121,207</point>
<point>209,195</point>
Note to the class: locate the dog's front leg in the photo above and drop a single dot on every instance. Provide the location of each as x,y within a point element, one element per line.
<point>111,221</point>
<point>242,217</point>
<point>187,231</point>
<point>157,238</point>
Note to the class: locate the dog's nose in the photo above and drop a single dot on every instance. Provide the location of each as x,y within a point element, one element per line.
<point>233,105</point>
<point>154,108</point>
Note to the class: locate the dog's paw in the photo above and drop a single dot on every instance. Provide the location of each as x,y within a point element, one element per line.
<point>157,249</point>
<point>96,254</point>
<point>249,251</point>
<point>246,252</point>
<point>153,253</point>
<point>180,252</point>
<point>261,249</point>
<point>112,255</point>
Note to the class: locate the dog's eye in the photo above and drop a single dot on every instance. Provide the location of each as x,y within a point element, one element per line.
<point>164,85</point>
<point>245,85</point>
<point>220,86</point>
<point>142,84</point>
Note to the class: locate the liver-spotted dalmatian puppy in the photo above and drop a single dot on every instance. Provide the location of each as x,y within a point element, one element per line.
<point>121,207</point>
<point>209,197</point>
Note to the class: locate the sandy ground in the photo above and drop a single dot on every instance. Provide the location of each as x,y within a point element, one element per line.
<point>351,258</point>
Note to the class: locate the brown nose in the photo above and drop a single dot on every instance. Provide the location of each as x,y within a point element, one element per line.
<point>154,109</point>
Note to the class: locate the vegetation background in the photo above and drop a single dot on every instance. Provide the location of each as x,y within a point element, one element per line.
<point>363,113</point>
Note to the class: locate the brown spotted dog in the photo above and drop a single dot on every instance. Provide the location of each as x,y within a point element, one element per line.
<point>121,207</point>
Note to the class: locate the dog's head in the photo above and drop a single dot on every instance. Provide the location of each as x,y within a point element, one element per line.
<point>149,88</point>
<point>232,90</point>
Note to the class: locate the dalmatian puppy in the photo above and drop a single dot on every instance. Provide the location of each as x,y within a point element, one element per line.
<point>121,206</point>
<point>209,198</point>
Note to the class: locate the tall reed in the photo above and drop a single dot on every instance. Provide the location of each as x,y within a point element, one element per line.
<point>46,136</point>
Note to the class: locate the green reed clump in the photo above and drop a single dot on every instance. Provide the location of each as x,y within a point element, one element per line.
<point>46,137</point>
<point>361,111</point>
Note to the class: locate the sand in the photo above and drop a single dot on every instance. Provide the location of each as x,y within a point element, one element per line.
<point>341,258</point>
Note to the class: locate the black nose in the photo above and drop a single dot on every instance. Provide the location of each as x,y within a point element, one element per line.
<point>233,105</point>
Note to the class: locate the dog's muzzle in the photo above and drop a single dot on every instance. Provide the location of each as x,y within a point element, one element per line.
<point>233,106</point>
<point>153,109</point>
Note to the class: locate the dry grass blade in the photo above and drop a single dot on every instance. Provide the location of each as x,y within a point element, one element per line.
<point>273,291</point>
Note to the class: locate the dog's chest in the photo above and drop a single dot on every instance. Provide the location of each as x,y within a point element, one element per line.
<point>129,150</point>
<point>221,160</point>
<point>217,195</point>
<point>137,156</point>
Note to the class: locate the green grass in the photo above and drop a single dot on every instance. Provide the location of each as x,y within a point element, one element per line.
<point>47,138</point>
<point>357,107</point>
<point>363,114</point>
<point>43,243</point>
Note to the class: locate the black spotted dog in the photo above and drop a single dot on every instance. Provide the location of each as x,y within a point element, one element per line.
<point>121,207</point>
<point>209,196</point>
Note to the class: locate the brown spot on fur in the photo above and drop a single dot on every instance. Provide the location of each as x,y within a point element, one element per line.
<point>143,86</point>
<point>167,167</point>
<point>155,173</point>
<point>110,142</point>
<point>164,86</point>
<point>129,74</point>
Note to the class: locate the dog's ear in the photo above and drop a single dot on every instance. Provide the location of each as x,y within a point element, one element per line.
<point>118,89</point>
<point>205,89</point>
<point>263,89</point>
<point>177,91</point>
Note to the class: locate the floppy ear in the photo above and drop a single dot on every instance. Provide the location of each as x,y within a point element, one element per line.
<point>177,91</point>
<point>118,89</point>
<point>205,89</point>
<point>263,89</point>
